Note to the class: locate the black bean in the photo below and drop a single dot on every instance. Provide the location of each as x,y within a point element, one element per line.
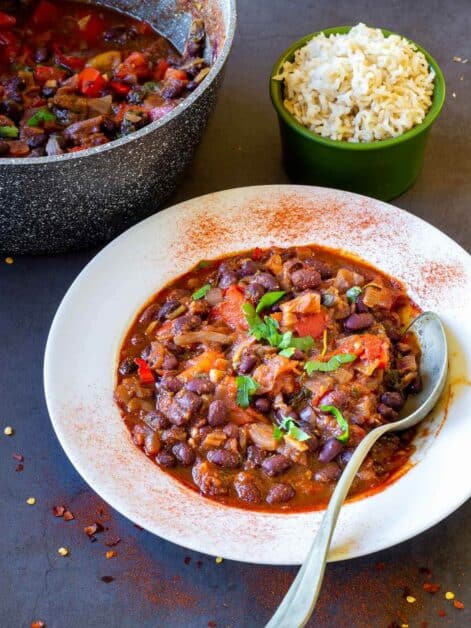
<point>415,385</point>
<point>41,54</point>
<point>156,420</point>
<point>280,493</point>
<point>217,413</point>
<point>184,454</point>
<point>344,456</point>
<point>166,308</point>
<point>330,450</point>
<point>36,141</point>
<point>393,399</point>
<point>262,404</point>
<point>308,415</point>
<point>231,430</point>
<point>254,291</point>
<point>165,459</point>
<point>152,443</point>
<point>358,322</point>
<point>276,464</point>
<point>227,278</point>
<point>247,363</point>
<point>172,384</point>
<point>255,456</point>
<point>248,491</point>
<point>247,268</point>
<point>200,386</point>
<point>224,458</point>
<point>12,110</point>
<point>322,268</point>
<point>170,362</point>
<point>360,306</point>
<point>109,126</point>
<point>330,473</point>
<point>4,148</point>
<point>189,401</point>
<point>387,412</point>
<point>298,355</point>
<point>267,281</point>
<point>187,322</point>
<point>48,92</point>
<point>306,279</point>
<point>149,314</point>
<point>177,415</point>
<point>127,366</point>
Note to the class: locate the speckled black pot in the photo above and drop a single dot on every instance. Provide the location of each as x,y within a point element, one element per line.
<point>54,204</point>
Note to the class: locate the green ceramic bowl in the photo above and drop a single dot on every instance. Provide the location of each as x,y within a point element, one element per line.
<point>382,169</point>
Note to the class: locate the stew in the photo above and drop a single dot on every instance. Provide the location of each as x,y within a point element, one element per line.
<point>253,378</point>
<point>74,75</point>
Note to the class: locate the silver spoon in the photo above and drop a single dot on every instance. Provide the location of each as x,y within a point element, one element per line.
<point>298,604</point>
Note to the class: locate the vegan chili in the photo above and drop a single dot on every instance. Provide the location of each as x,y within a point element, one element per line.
<point>253,378</point>
<point>76,75</point>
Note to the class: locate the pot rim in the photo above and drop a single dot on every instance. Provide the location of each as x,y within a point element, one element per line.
<point>216,68</point>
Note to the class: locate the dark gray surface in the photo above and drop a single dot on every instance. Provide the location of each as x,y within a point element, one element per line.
<point>153,586</point>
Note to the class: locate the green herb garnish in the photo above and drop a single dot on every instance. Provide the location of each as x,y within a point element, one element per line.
<point>201,292</point>
<point>150,86</point>
<point>246,387</point>
<point>269,299</point>
<point>289,426</point>
<point>41,115</point>
<point>9,131</point>
<point>202,264</point>
<point>328,299</point>
<point>344,436</point>
<point>332,365</point>
<point>287,353</point>
<point>353,293</point>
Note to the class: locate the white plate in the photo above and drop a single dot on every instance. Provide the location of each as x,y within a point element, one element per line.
<point>89,326</point>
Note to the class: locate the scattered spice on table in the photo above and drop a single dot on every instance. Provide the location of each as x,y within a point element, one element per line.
<point>212,624</point>
<point>18,457</point>
<point>31,501</point>
<point>458,604</point>
<point>112,542</point>
<point>411,599</point>
<point>110,554</point>
<point>8,431</point>
<point>441,613</point>
<point>187,560</point>
<point>58,511</point>
<point>107,579</point>
<point>431,587</point>
<point>425,571</point>
<point>9,260</point>
<point>219,560</point>
<point>94,528</point>
<point>63,551</point>
<point>68,516</point>
<point>38,624</point>
<point>449,595</point>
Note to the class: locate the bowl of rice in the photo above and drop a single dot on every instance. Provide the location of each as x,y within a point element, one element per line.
<point>355,106</point>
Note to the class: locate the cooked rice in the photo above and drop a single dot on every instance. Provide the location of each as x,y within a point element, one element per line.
<point>359,87</point>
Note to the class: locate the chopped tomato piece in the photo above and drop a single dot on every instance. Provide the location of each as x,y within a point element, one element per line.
<point>91,27</point>
<point>46,13</point>
<point>367,347</point>
<point>124,108</point>
<point>257,253</point>
<point>160,68</point>
<point>7,21</point>
<point>43,73</point>
<point>71,62</point>
<point>145,374</point>
<point>175,73</point>
<point>120,88</point>
<point>137,64</point>
<point>311,324</point>
<point>91,82</point>
<point>227,392</point>
<point>203,363</point>
<point>145,28</point>
<point>230,309</point>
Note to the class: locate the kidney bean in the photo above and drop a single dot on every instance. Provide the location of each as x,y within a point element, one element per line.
<point>189,401</point>
<point>127,366</point>
<point>166,308</point>
<point>175,434</point>
<point>177,415</point>
<point>200,386</point>
<point>4,148</point>
<point>330,450</point>
<point>139,435</point>
<point>172,384</point>
<point>41,54</point>
<point>330,473</point>
<point>248,491</point>
<point>247,363</point>
<point>247,268</point>
<point>223,458</point>
<point>313,442</point>
<point>217,413</point>
<point>358,322</point>
<point>308,415</point>
<point>157,420</point>
<point>322,268</point>
<point>267,281</point>
<point>276,464</point>
<point>387,412</point>
<point>415,386</point>
<point>138,338</point>
<point>170,362</point>
<point>360,306</point>
<point>231,430</point>
<point>255,456</point>
<point>344,456</point>
<point>152,443</point>
<point>164,459</point>
<point>254,291</point>
<point>227,278</point>
<point>393,399</point>
<point>149,314</point>
<point>306,279</point>
<point>184,454</point>
<point>262,404</point>
<point>280,493</point>
<point>187,322</point>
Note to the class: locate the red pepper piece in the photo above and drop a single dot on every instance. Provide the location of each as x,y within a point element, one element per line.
<point>144,28</point>
<point>160,68</point>
<point>144,372</point>
<point>72,63</point>
<point>137,63</point>
<point>46,13</point>
<point>93,29</point>
<point>120,88</point>
<point>43,73</point>
<point>174,73</point>
<point>257,253</point>
<point>91,82</point>
<point>7,21</point>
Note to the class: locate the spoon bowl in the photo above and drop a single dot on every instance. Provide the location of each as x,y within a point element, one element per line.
<point>298,604</point>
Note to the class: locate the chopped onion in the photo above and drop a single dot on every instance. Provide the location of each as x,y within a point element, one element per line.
<point>99,106</point>
<point>203,336</point>
<point>214,296</point>
<point>262,436</point>
<point>53,147</point>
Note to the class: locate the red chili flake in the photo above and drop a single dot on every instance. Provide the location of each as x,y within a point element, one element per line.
<point>19,467</point>
<point>441,613</point>
<point>18,457</point>
<point>257,253</point>
<point>38,624</point>
<point>458,604</point>
<point>95,528</point>
<point>431,588</point>
<point>199,564</point>
<point>110,554</point>
<point>107,579</point>
<point>425,571</point>
<point>187,560</point>
<point>68,516</point>
<point>212,624</point>
<point>58,511</point>
<point>113,542</point>
<point>380,566</point>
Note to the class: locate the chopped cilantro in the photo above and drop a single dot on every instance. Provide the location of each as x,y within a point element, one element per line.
<point>344,436</point>
<point>269,299</point>
<point>246,387</point>
<point>353,293</point>
<point>332,365</point>
<point>201,292</point>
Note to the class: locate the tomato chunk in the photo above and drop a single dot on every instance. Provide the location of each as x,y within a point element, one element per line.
<point>46,13</point>
<point>230,309</point>
<point>6,21</point>
<point>311,324</point>
<point>91,82</point>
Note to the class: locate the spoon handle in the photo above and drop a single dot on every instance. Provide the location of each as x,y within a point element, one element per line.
<point>298,604</point>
